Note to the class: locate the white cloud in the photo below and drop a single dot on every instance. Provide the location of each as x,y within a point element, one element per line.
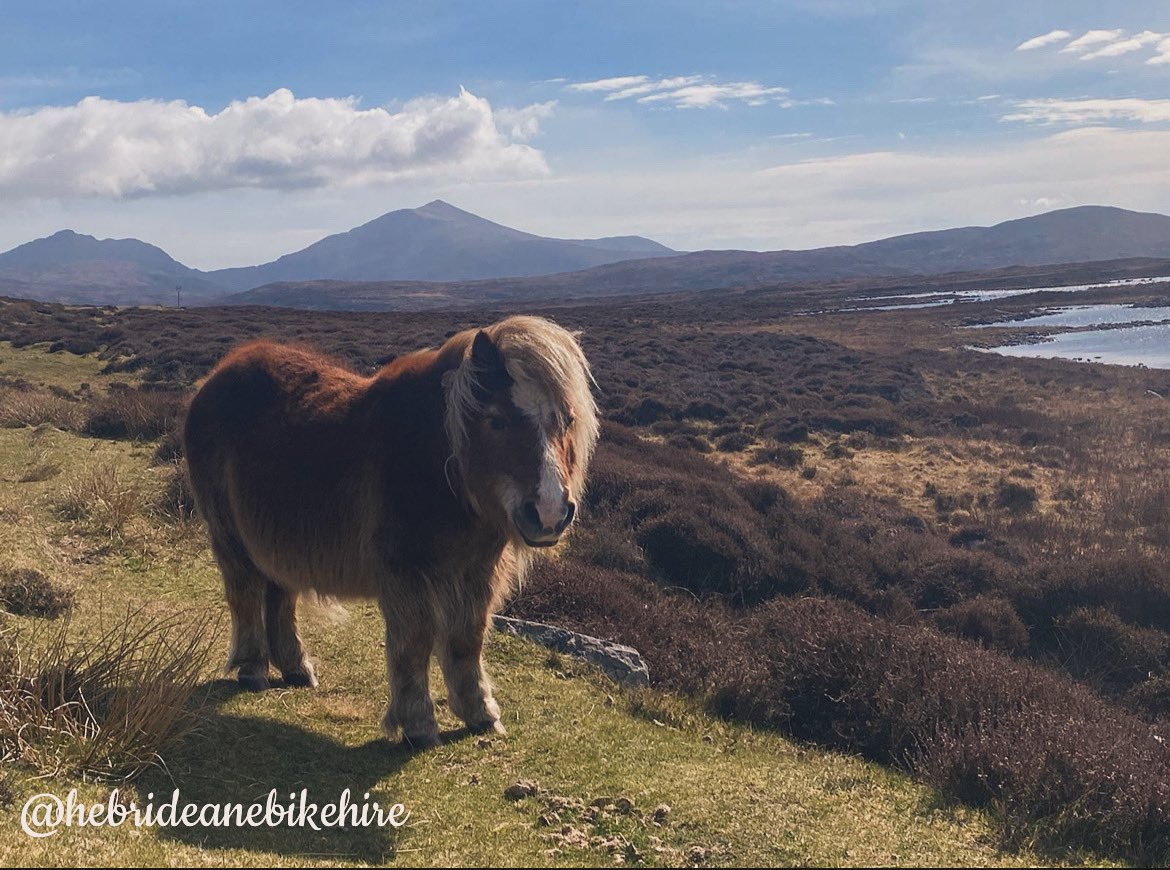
<point>1097,44</point>
<point>1046,39</point>
<point>1163,55</point>
<point>612,84</point>
<point>711,94</point>
<point>1091,38</point>
<point>685,92</point>
<point>524,123</point>
<point>647,87</point>
<point>108,148</point>
<point>1057,111</point>
<point>1125,46</point>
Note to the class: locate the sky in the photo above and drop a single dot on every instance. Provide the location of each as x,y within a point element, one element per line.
<point>229,133</point>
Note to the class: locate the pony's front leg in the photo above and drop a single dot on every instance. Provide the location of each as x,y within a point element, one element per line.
<point>468,688</point>
<point>409,642</point>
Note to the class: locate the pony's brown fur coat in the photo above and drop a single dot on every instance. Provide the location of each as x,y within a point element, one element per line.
<point>403,486</point>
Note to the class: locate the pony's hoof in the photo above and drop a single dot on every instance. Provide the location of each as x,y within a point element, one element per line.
<point>425,740</point>
<point>301,679</point>
<point>254,682</point>
<point>495,726</point>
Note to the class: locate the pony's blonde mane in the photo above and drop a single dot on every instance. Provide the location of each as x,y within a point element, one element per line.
<point>540,356</point>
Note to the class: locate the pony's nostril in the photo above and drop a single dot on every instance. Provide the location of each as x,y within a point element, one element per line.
<point>532,515</point>
<point>570,512</point>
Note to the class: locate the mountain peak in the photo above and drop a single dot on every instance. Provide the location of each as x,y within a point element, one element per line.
<point>68,235</point>
<point>437,208</point>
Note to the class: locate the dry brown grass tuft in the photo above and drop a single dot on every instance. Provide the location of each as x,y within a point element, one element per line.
<point>104,708</point>
<point>35,407</point>
<point>41,464</point>
<point>103,498</point>
<point>140,414</point>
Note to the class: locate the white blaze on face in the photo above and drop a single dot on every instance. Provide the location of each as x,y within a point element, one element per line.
<point>550,492</point>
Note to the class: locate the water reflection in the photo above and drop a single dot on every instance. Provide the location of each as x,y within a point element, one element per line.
<point>1136,345</point>
<point>1088,315</point>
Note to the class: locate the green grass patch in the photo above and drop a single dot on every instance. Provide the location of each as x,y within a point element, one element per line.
<point>37,365</point>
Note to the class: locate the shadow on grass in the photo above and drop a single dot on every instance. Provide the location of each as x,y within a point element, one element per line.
<point>232,759</point>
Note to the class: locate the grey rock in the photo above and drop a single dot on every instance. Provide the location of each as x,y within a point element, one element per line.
<point>623,664</point>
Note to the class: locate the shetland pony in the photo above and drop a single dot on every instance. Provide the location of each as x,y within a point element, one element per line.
<point>428,486</point>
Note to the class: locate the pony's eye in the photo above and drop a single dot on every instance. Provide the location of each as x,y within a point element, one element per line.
<point>498,423</point>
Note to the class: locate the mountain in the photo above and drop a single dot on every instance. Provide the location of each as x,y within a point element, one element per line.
<point>1080,234</point>
<point>437,242</point>
<point>1076,235</point>
<point>74,268</point>
<point>439,255</point>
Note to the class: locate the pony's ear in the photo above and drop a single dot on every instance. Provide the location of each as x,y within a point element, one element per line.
<point>491,375</point>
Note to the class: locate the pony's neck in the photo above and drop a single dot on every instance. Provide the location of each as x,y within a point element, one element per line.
<point>407,397</point>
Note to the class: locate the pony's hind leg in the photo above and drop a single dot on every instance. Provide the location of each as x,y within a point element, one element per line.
<point>244,589</point>
<point>409,641</point>
<point>284,643</point>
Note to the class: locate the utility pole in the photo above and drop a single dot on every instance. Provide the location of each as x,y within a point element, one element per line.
<point>178,295</point>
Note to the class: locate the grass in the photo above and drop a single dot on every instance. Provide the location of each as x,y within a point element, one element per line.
<point>100,707</point>
<point>735,795</point>
<point>67,370</point>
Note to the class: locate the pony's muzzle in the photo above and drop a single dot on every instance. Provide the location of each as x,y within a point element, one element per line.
<point>532,528</point>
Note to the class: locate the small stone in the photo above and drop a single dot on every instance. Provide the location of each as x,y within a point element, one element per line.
<point>521,789</point>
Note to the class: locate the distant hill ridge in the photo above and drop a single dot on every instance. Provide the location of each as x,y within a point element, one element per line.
<point>1078,235</point>
<point>71,267</point>
<point>436,242</point>
<point>438,254</point>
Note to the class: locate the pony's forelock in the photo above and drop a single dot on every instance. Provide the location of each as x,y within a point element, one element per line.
<point>542,358</point>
